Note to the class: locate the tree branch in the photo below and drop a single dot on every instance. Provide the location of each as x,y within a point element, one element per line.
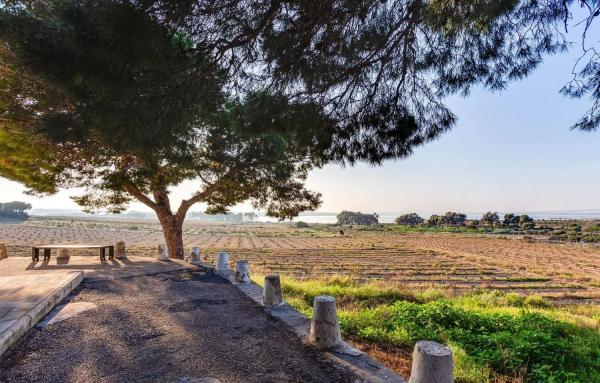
<point>137,193</point>
<point>187,203</point>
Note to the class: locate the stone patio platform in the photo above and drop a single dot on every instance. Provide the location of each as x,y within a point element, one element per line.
<point>92,268</point>
<point>26,298</point>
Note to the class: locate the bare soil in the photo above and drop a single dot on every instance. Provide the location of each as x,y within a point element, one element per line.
<point>415,260</point>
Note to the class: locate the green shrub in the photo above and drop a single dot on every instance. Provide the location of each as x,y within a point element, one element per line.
<point>302,225</point>
<point>514,299</point>
<point>535,301</point>
<point>552,351</point>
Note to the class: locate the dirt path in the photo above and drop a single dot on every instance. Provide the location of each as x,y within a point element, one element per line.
<point>169,327</point>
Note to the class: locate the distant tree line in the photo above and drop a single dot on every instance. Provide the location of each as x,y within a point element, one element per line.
<point>15,209</point>
<point>357,218</point>
<point>452,219</point>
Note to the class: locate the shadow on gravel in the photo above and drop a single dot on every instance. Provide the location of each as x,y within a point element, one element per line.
<point>166,328</point>
<point>195,304</point>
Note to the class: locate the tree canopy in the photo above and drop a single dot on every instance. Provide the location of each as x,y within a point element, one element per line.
<point>104,97</point>
<point>410,219</point>
<point>357,218</point>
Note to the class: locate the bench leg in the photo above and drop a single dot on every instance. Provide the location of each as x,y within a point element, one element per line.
<point>102,254</point>
<point>111,252</point>
<point>47,254</point>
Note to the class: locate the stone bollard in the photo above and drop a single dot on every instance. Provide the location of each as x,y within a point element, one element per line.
<point>222,261</point>
<point>3,253</point>
<point>163,253</point>
<point>62,254</point>
<point>325,326</point>
<point>272,295</point>
<point>242,271</point>
<point>195,255</point>
<point>432,362</point>
<point>120,250</point>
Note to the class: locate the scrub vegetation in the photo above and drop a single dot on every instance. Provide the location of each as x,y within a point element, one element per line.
<point>495,337</point>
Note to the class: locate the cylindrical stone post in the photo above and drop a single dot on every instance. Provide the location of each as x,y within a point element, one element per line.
<point>242,271</point>
<point>272,295</point>
<point>222,261</point>
<point>62,253</point>
<point>120,249</point>
<point>195,255</point>
<point>3,253</point>
<point>325,326</point>
<point>163,253</point>
<point>431,362</point>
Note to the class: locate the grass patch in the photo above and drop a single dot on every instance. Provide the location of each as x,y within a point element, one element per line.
<point>495,337</point>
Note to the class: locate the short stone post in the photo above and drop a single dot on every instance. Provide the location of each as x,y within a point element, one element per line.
<point>120,250</point>
<point>272,295</point>
<point>431,362</point>
<point>222,261</point>
<point>242,271</point>
<point>195,255</point>
<point>62,254</point>
<point>3,253</point>
<point>163,252</point>
<point>325,326</point>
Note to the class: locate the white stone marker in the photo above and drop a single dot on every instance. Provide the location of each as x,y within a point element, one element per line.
<point>242,271</point>
<point>272,295</point>
<point>223,261</point>
<point>62,254</point>
<point>163,252</point>
<point>432,362</point>
<point>120,250</point>
<point>325,326</point>
<point>3,253</point>
<point>195,255</point>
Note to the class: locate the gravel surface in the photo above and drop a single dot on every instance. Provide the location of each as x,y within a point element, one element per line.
<point>170,327</point>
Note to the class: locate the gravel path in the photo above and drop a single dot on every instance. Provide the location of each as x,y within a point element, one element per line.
<point>171,327</point>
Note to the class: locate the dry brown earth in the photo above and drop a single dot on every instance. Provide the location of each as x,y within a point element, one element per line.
<point>414,260</point>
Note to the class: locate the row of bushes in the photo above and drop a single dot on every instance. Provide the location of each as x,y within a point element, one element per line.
<point>489,222</point>
<point>452,219</point>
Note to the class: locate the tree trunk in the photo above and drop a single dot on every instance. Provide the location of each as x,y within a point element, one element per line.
<point>172,228</point>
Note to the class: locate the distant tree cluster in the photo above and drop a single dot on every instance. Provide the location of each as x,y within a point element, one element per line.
<point>357,218</point>
<point>411,219</point>
<point>523,222</point>
<point>452,219</point>
<point>490,219</point>
<point>448,219</point>
<point>15,209</point>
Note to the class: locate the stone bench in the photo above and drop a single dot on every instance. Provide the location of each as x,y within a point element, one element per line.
<point>35,250</point>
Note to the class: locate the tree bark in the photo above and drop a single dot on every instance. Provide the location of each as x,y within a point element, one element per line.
<point>172,227</point>
<point>172,224</point>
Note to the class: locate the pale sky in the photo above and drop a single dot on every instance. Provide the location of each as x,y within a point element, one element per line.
<point>509,151</point>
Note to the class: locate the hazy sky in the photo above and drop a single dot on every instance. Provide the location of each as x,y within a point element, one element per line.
<point>509,151</point>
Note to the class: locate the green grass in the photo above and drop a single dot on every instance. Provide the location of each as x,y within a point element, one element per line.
<point>495,337</point>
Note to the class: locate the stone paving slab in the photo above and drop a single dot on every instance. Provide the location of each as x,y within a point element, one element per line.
<point>26,298</point>
<point>93,269</point>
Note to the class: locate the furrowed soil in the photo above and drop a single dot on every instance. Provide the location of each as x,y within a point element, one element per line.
<point>460,262</point>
